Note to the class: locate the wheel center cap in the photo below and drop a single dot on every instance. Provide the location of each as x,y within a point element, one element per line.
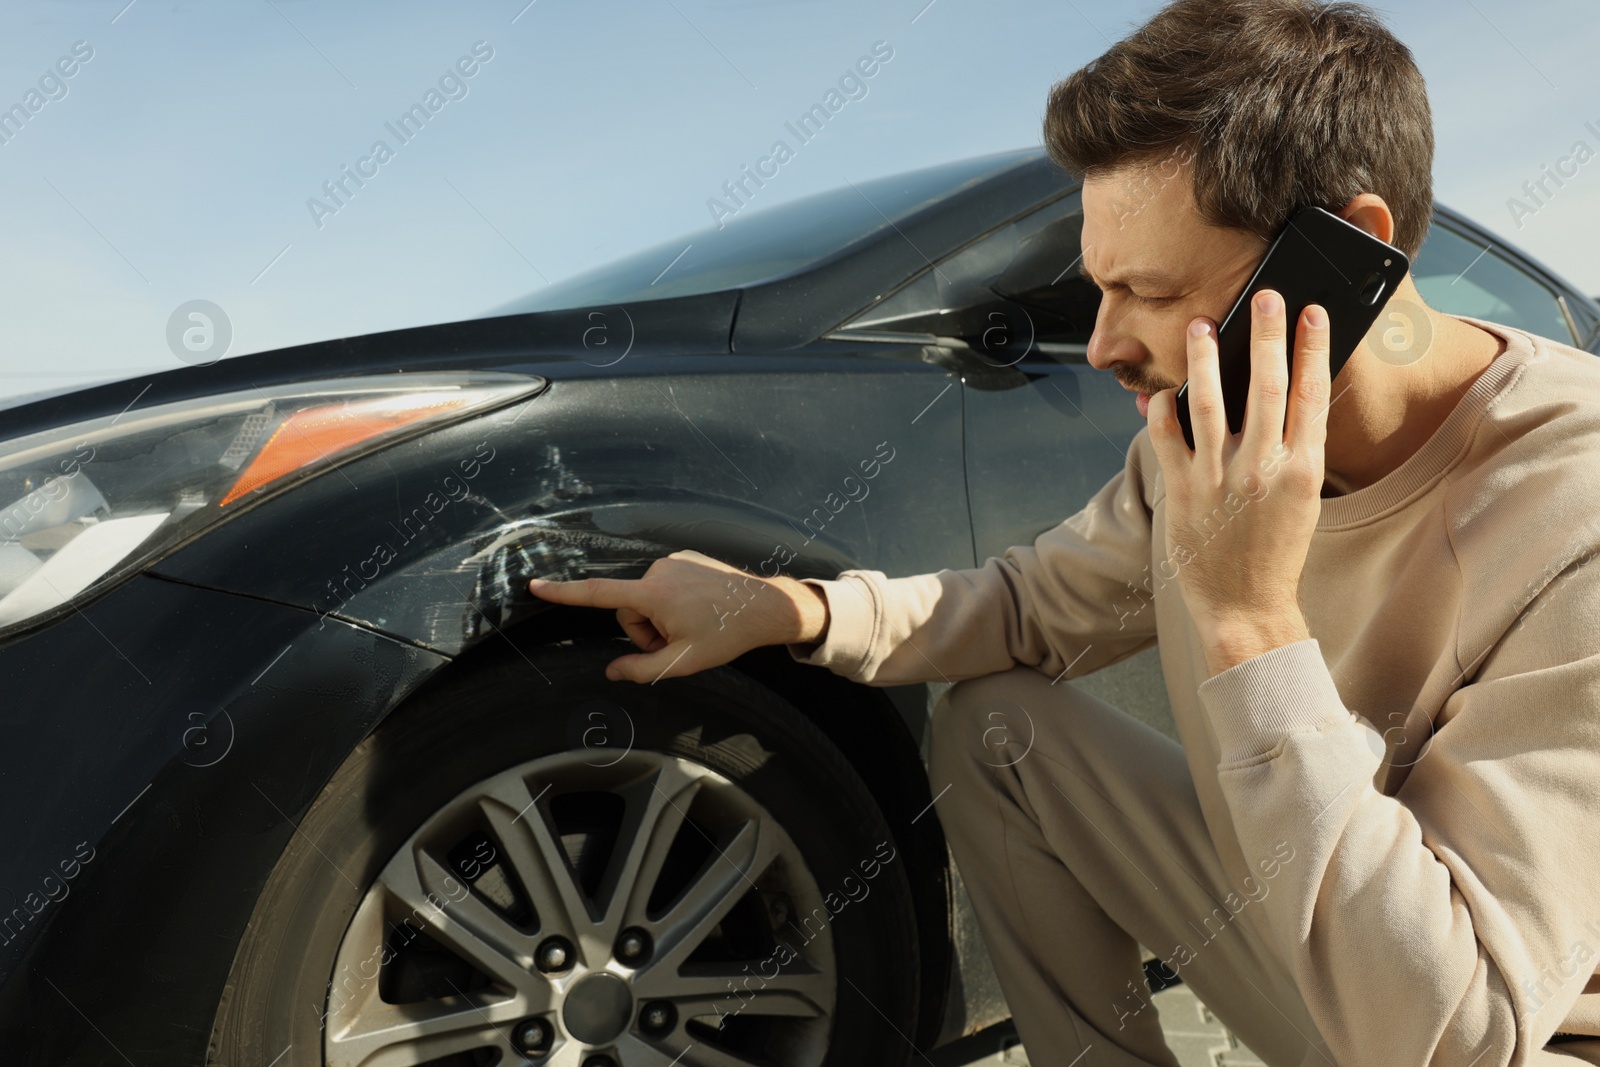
<point>598,1008</point>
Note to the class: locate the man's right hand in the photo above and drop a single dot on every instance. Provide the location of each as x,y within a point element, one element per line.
<point>690,612</point>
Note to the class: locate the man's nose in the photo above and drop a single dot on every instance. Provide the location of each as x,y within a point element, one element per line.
<point>1108,344</point>
<point>1099,352</point>
<point>1104,349</point>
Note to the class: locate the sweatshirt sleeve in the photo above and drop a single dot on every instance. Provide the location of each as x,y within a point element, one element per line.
<point>1066,603</point>
<point>1457,921</point>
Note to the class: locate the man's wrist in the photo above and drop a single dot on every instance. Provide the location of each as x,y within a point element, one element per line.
<point>1229,644</point>
<point>811,611</point>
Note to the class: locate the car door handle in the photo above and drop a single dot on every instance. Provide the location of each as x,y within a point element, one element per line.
<point>972,368</point>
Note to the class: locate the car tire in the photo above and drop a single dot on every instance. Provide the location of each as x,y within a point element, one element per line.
<point>758,765</point>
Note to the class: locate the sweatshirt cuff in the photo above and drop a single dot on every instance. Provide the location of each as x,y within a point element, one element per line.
<point>1255,704</point>
<point>852,626</point>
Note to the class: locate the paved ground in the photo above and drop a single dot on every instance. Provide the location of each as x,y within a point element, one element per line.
<point>1193,1033</point>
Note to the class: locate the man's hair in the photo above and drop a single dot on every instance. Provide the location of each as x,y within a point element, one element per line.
<point>1277,102</point>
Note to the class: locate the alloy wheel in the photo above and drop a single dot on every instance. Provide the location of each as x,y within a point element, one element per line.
<point>644,911</point>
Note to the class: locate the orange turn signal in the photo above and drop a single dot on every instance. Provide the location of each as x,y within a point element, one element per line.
<point>322,433</point>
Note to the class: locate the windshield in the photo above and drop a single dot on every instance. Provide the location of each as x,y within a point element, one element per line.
<point>765,244</point>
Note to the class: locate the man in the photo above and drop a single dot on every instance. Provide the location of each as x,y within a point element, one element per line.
<point>1376,620</point>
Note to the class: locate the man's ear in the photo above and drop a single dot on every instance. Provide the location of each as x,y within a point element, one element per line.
<point>1370,212</point>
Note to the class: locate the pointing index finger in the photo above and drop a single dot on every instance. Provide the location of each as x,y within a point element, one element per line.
<point>587,592</point>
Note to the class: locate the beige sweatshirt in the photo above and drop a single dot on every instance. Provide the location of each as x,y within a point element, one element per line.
<point>1433,750</point>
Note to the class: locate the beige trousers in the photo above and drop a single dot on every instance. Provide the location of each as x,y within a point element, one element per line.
<point>1080,840</point>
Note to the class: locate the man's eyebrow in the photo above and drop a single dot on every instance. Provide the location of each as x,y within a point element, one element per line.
<point>1153,279</point>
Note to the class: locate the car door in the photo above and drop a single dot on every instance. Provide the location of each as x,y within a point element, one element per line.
<point>1044,431</point>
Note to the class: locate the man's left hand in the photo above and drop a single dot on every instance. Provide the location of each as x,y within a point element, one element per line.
<point>1241,508</point>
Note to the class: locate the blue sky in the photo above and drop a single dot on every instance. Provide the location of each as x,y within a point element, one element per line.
<point>176,162</point>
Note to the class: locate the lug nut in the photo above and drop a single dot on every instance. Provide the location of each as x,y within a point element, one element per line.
<point>554,955</point>
<point>533,1037</point>
<point>601,1060</point>
<point>658,1017</point>
<point>633,946</point>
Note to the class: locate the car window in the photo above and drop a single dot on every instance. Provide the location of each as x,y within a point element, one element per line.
<point>1015,285</point>
<point>1461,277</point>
<point>767,243</point>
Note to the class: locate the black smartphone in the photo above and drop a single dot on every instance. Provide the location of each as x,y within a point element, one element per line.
<point>1318,258</point>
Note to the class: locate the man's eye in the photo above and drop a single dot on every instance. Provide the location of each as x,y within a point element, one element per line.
<point>1154,299</point>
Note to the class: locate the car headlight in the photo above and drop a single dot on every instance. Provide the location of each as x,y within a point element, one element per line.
<point>85,505</point>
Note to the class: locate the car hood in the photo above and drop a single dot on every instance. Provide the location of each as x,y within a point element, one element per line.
<point>598,337</point>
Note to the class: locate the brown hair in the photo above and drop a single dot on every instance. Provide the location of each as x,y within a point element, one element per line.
<point>1278,103</point>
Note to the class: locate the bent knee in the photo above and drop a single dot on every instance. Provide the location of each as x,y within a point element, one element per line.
<point>989,721</point>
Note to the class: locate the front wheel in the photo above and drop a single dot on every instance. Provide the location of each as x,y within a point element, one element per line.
<point>529,864</point>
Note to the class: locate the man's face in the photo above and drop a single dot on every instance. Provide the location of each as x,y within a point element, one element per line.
<point>1159,265</point>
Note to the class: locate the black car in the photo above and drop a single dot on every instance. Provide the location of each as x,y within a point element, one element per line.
<point>297,771</point>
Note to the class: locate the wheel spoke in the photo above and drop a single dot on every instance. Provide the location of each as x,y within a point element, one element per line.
<point>541,864</point>
<point>463,922</point>
<point>567,1054</point>
<point>800,991</point>
<point>411,1033</point>
<point>721,884</point>
<point>657,808</point>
